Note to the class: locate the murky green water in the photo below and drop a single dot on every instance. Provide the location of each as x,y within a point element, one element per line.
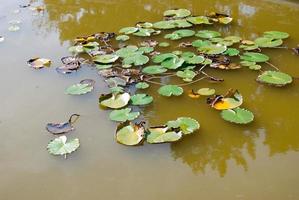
<point>222,161</point>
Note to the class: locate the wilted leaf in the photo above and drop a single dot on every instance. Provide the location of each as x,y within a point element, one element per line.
<point>60,146</point>
<point>237,115</point>
<point>231,100</point>
<point>65,127</point>
<point>162,134</point>
<point>38,63</point>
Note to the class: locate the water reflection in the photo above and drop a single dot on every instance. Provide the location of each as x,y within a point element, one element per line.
<point>215,145</point>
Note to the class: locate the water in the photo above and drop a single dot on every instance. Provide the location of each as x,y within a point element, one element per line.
<point>221,161</point>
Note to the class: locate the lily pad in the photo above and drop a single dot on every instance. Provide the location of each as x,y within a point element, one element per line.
<point>275,78</point>
<point>141,99</point>
<point>142,32</point>
<point>80,88</point>
<point>177,13</point>
<point>267,42</point>
<point>122,38</point>
<point>60,146</point>
<point>276,34</point>
<point>170,90</point>
<point>179,34</point>
<point>130,134</point>
<point>127,51</point>
<point>254,57</point>
<point>128,30</point>
<point>212,49</point>
<point>115,101</point>
<point>199,20</point>
<point>237,115</point>
<point>232,52</point>
<point>187,75</point>
<point>105,59</point>
<point>136,59</point>
<point>154,69</point>
<point>186,124</point>
<point>231,100</point>
<point>170,24</point>
<point>173,63</point>
<point>123,115</point>
<point>207,34</point>
<point>225,20</point>
<point>162,134</point>
<point>206,91</point>
<point>161,57</point>
<point>142,85</point>
<point>164,44</point>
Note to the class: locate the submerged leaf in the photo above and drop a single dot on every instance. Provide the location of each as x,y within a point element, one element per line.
<point>130,134</point>
<point>275,78</point>
<point>169,90</point>
<point>60,146</point>
<point>123,115</point>
<point>237,115</point>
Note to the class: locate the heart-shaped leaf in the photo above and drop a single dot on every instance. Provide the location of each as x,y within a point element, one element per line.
<point>161,134</point>
<point>237,115</point>
<point>141,99</point>
<point>186,124</point>
<point>178,13</point>
<point>169,90</point>
<point>60,146</point>
<point>114,101</point>
<point>154,69</point>
<point>123,115</point>
<point>142,85</point>
<point>254,57</point>
<point>207,34</point>
<point>130,134</point>
<point>275,78</point>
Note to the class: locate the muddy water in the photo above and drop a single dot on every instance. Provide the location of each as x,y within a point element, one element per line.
<point>221,161</point>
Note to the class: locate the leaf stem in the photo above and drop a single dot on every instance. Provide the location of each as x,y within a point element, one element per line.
<point>271,65</point>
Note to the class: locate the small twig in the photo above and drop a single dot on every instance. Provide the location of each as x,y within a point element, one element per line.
<point>154,82</point>
<point>271,65</point>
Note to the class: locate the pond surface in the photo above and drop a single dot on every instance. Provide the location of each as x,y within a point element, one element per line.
<point>221,161</point>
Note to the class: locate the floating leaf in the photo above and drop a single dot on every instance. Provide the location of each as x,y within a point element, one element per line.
<point>65,127</point>
<point>275,78</point>
<point>103,66</point>
<point>81,88</point>
<point>191,58</point>
<point>146,49</point>
<point>127,51</point>
<point>141,99</point>
<point>38,63</point>
<point>179,34</point>
<point>268,42</point>
<point>142,85</point>
<point>128,30</point>
<point>199,20</point>
<point>142,32</point>
<point>232,52</point>
<point>114,101</point>
<point>231,100</point>
<point>237,115</point>
<point>136,59</point>
<point>186,124</point>
<point>105,59</point>
<point>169,90</point>
<point>154,69</point>
<point>212,49</point>
<point>161,57</point>
<point>164,44</point>
<point>117,89</point>
<point>173,63</point>
<point>122,38</point>
<point>60,146</point>
<point>254,57</point>
<point>201,43</point>
<point>276,34</point>
<point>206,91</point>
<point>187,75</point>
<point>123,115</point>
<point>177,13</point>
<point>170,24</point>
<point>161,134</point>
<point>225,20</point>
<point>130,134</point>
<point>207,34</point>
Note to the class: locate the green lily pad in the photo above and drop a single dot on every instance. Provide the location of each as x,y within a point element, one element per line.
<point>206,91</point>
<point>237,115</point>
<point>268,42</point>
<point>130,134</point>
<point>254,57</point>
<point>161,57</point>
<point>161,134</point>
<point>186,124</point>
<point>207,34</point>
<point>212,49</point>
<point>249,47</point>
<point>199,20</point>
<point>123,115</point>
<point>276,34</point>
<point>179,34</point>
<point>225,20</point>
<point>128,30</point>
<point>169,90</point>
<point>105,59</point>
<point>146,49</point>
<point>178,13</point>
<point>114,101</point>
<point>172,63</point>
<point>233,39</point>
<point>275,78</point>
<point>60,146</point>
<point>154,69</point>
<point>144,32</point>
<point>201,43</point>
<point>232,52</point>
<point>122,38</point>
<point>187,75</point>
<point>164,44</point>
<point>79,89</point>
<point>142,85</point>
<point>170,24</point>
<point>103,66</point>
<point>117,89</point>
<point>136,59</point>
<point>126,51</point>
<point>141,99</point>
<point>192,58</point>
